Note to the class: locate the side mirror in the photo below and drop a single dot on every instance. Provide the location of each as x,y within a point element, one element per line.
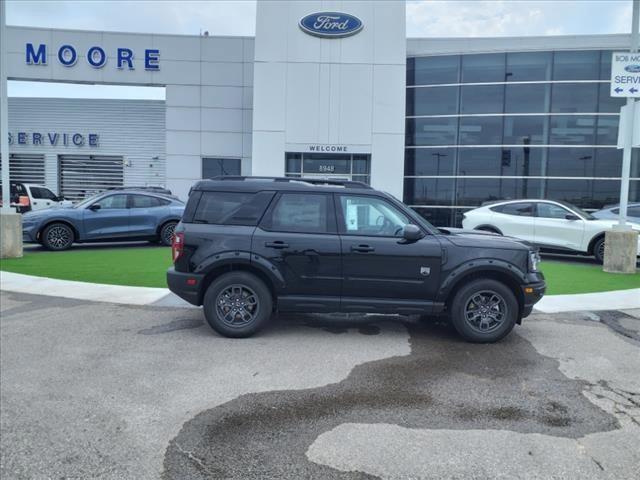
<point>571,216</point>
<point>411,233</point>
<point>95,207</point>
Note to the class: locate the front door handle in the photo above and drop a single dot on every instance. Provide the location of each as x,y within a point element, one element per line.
<point>276,244</point>
<point>362,248</point>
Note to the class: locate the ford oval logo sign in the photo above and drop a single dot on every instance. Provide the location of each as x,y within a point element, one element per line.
<point>632,68</point>
<point>330,24</point>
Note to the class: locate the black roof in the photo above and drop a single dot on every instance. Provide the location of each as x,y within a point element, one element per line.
<point>249,184</point>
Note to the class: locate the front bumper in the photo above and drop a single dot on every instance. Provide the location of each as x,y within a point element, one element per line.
<point>187,286</point>
<point>532,292</point>
<point>30,233</point>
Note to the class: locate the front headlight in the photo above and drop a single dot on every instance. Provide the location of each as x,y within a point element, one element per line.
<point>534,261</point>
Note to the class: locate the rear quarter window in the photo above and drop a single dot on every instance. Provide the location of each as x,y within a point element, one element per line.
<point>229,208</point>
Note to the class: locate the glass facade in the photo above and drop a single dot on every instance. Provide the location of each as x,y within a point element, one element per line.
<point>338,166</point>
<point>483,127</point>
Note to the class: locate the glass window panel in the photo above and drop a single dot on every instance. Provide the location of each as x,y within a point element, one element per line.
<point>432,101</point>
<point>475,191</point>
<point>528,66</point>
<point>293,162</point>
<point>570,162</point>
<point>486,67</point>
<point>608,163</point>
<point>481,130</point>
<point>572,130</point>
<point>574,97</point>
<point>551,210</point>
<point>635,162</point>
<point>361,164</point>
<point>482,99</point>
<point>431,131</point>
<point>433,70</point>
<point>430,161</point>
<point>371,216</point>
<point>300,213</point>
<point>605,65</point>
<point>527,98</point>
<point>607,103</point>
<point>361,178</point>
<point>219,207</point>
<point>592,194</point>
<point>216,167</point>
<point>608,130</point>
<point>322,163</point>
<point>112,202</point>
<point>439,217</point>
<point>576,65</point>
<point>428,191</point>
<point>525,130</point>
<point>500,161</point>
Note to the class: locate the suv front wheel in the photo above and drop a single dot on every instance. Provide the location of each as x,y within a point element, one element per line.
<point>237,304</point>
<point>484,311</point>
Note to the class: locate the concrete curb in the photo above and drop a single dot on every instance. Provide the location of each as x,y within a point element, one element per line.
<point>161,297</point>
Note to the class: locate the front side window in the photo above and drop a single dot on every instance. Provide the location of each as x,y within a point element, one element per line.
<point>298,212</point>
<point>43,193</point>
<point>549,210</point>
<point>112,202</point>
<point>371,216</point>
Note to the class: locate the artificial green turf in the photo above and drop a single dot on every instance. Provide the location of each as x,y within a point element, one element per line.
<point>146,267</point>
<point>137,266</point>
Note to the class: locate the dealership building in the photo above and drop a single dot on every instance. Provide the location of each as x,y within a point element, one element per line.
<point>332,90</point>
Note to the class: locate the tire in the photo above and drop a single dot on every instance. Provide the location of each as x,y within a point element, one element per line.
<point>57,236</point>
<point>232,287</point>
<point>166,233</point>
<point>598,250</point>
<point>467,318</point>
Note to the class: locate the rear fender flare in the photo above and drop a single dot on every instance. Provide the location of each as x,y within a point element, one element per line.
<point>242,258</point>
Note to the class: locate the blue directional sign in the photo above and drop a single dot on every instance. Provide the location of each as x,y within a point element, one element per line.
<point>625,74</point>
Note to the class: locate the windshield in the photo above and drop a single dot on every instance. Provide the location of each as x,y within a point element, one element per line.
<point>577,210</point>
<point>87,200</point>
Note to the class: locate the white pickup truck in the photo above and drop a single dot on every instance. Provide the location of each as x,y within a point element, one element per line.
<point>29,196</point>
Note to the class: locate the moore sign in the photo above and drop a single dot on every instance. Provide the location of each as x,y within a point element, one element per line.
<point>96,56</point>
<point>330,24</point>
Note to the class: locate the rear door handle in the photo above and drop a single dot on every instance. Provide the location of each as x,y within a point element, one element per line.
<point>276,244</point>
<point>362,248</point>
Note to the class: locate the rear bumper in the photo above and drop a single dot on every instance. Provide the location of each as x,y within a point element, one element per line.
<point>533,292</point>
<point>187,286</point>
<point>29,233</point>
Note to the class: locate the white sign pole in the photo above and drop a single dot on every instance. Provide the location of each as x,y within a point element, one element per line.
<point>4,111</point>
<point>628,126</point>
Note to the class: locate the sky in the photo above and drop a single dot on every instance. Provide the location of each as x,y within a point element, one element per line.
<point>425,18</point>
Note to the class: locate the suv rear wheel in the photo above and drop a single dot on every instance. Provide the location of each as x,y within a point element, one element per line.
<point>484,311</point>
<point>598,250</point>
<point>237,304</point>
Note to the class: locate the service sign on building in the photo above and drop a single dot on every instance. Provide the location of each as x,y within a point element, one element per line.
<point>625,74</point>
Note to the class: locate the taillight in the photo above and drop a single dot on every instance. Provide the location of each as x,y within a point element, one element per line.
<point>177,246</point>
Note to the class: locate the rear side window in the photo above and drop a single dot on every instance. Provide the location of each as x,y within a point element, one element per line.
<point>300,213</point>
<point>145,201</point>
<point>633,211</point>
<point>231,208</point>
<point>517,209</point>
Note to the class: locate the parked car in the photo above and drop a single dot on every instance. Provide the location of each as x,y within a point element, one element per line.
<point>111,216</point>
<point>552,225</point>
<point>612,212</point>
<point>26,197</point>
<point>247,247</point>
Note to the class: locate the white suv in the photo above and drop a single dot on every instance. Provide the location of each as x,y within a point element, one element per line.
<point>552,225</point>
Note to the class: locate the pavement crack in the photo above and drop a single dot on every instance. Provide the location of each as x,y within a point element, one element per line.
<point>195,459</point>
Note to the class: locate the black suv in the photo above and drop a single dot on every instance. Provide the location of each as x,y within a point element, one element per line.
<point>249,246</point>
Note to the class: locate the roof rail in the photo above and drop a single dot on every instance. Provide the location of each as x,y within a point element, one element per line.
<point>312,181</point>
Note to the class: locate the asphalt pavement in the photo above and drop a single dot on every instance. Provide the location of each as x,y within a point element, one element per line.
<point>96,390</point>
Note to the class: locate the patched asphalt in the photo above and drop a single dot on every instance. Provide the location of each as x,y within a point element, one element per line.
<point>93,390</point>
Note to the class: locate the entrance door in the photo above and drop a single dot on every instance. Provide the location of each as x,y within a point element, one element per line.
<point>330,166</point>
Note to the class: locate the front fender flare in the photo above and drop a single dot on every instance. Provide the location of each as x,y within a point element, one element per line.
<point>477,266</point>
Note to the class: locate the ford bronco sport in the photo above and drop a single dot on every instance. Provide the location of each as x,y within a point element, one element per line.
<point>249,246</point>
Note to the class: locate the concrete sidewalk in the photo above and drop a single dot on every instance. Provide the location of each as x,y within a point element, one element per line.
<point>16,282</point>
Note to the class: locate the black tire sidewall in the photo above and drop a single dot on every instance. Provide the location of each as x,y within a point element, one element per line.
<point>162,241</point>
<point>265,304</point>
<point>462,297</point>
<point>45,233</point>
<point>596,248</point>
